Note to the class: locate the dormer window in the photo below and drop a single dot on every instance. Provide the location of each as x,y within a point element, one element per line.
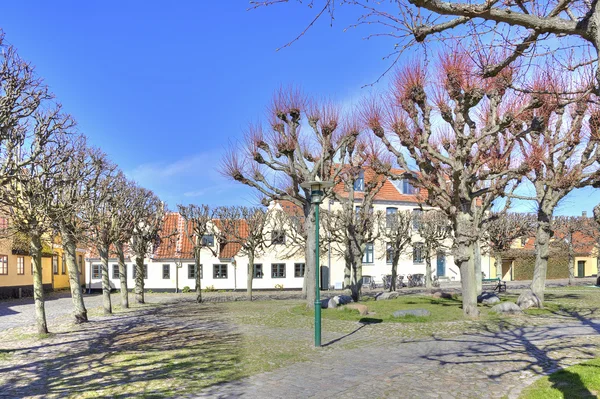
<point>405,187</point>
<point>359,183</point>
<point>208,240</point>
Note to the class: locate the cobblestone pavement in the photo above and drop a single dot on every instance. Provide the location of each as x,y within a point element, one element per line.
<point>481,365</point>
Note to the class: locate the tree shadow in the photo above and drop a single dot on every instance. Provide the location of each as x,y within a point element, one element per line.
<point>153,352</point>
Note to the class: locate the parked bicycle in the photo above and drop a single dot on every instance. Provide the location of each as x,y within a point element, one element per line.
<point>387,281</point>
<point>416,280</point>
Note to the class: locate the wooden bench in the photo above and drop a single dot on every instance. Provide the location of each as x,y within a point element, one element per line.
<point>500,285</point>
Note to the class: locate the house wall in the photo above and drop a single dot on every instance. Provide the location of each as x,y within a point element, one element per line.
<point>591,266</point>
<point>60,280</point>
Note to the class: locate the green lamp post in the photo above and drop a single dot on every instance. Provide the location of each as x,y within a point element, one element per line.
<point>316,197</point>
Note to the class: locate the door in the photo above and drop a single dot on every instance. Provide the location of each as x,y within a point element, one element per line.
<point>581,268</point>
<point>441,264</point>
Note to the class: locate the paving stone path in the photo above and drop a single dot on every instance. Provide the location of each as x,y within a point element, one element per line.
<point>481,365</point>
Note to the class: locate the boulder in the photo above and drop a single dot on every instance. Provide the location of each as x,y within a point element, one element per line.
<point>506,307</point>
<point>529,300</point>
<point>440,294</point>
<point>342,299</point>
<point>387,295</point>
<point>362,309</point>
<point>328,303</point>
<point>412,312</point>
<point>488,298</point>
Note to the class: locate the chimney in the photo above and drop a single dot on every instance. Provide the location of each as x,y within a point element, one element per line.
<point>584,214</point>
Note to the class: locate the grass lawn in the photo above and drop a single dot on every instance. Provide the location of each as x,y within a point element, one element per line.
<point>580,381</point>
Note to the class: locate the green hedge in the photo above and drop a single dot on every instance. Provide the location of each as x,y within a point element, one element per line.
<point>558,264</point>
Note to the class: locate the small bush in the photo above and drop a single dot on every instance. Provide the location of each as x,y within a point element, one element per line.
<point>279,286</point>
<point>186,289</point>
<point>210,288</point>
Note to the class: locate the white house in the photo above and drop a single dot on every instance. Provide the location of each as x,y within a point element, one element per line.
<point>169,269</point>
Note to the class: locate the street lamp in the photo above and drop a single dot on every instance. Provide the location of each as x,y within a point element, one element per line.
<point>316,197</point>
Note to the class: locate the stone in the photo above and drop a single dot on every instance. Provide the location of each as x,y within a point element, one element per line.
<point>506,307</point>
<point>488,298</point>
<point>412,312</point>
<point>441,294</point>
<point>342,299</point>
<point>362,309</point>
<point>529,300</point>
<point>387,295</point>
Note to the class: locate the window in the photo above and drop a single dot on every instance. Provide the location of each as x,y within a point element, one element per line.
<point>278,237</point>
<point>278,270</point>
<point>96,271</point>
<point>134,273</point>
<point>3,264</point>
<point>418,252</point>
<point>359,183</point>
<point>368,255</point>
<point>80,264</point>
<point>390,214</point>
<point>192,271</point>
<point>208,240</point>
<point>389,253</point>
<point>55,264</point>
<point>407,187</point>
<point>219,271</point>
<point>299,269</point>
<point>3,223</point>
<point>115,271</point>
<point>258,270</point>
<point>20,265</point>
<point>63,264</point>
<point>416,218</point>
<point>166,272</point>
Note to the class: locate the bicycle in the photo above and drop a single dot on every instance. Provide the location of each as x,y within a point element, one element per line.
<point>387,281</point>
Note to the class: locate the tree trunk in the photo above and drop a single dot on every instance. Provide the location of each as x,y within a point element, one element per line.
<point>310,256</point>
<point>103,252</point>
<point>198,267</point>
<point>498,262</point>
<point>70,248</point>
<point>464,259</point>
<point>477,260</point>
<point>122,275</point>
<point>38,285</point>
<point>542,244</point>
<point>571,264</point>
<point>395,259</point>
<point>428,270</point>
<point>250,275</point>
<point>139,279</point>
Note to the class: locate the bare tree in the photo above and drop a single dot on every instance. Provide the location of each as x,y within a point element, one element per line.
<point>434,228</point>
<point>148,217</point>
<point>76,180</point>
<point>275,162</point>
<point>245,228</point>
<point>569,233</point>
<point>199,224</point>
<point>466,160</point>
<point>397,234</point>
<point>30,190</point>
<point>502,229</point>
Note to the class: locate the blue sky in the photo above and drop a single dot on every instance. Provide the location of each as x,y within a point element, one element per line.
<point>163,87</point>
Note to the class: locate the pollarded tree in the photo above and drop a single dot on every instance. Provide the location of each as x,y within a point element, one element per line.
<point>199,227</point>
<point>76,180</point>
<point>502,229</point>
<point>299,146</point>
<point>148,213</point>
<point>245,228</point>
<point>397,234</point>
<point>571,232</point>
<point>561,149</point>
<point>434,229</point>
<point>465,159</point>
<point>98,215</point>
<point>355,226</point>
<point>30,190</point>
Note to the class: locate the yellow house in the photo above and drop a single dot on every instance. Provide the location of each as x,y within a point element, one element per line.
<point>16,270</point>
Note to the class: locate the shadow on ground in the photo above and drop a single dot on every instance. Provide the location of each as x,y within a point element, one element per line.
<point>155,352</point>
